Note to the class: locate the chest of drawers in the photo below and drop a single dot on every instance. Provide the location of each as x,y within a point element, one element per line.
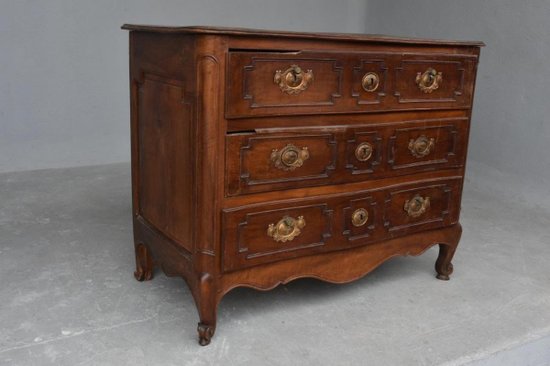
<point>261,157</point>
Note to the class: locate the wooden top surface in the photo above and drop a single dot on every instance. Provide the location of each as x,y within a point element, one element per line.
<point>303,35</point>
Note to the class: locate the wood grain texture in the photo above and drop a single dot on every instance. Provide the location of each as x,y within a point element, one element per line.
<point>332,153</point>
<point>336,86</point>
<point>238,180</point>
<point>300,35</point>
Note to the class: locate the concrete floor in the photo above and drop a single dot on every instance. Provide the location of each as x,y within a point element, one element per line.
<point>68,297</point>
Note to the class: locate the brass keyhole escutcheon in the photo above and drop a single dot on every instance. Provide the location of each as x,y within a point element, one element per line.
<point>286,229</point>
<point>363,152</point>
<point>290,157</point>
<point>417,205</point>
<point>359,217</point>
<point>429,80</point>
<point>370,81</point>
<point>421,146</point>
<point>293,80</point>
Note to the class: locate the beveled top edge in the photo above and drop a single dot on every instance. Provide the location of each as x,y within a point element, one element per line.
<point>304,35</point>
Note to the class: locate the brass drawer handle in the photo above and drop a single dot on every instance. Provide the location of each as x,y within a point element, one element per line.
<point>359,217</point>
<point>417,205</point>
<point>429,80</point>
<point>370,81</point>
<point>293,80</point>
<point>363,152</point>
<point>290,157</point>
<point>286,229</point>
<point>421,146</point>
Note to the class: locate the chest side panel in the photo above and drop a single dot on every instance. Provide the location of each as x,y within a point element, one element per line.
<point>162,138</point>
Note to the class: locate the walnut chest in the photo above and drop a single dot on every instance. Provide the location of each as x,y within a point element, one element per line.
<point>261,157</point>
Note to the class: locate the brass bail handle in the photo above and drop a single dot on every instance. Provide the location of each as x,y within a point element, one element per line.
<point>295,77</point>
<point>290,157</point>
<point>421,146</point>
<point>429,80</point>
<point>293,80</point>
<point>286,229</point>
<point>417,205</point>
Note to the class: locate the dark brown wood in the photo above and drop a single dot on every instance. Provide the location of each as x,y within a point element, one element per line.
<point>300,35</point>
<point>336,87</point>
<point>332,153</point>
<point>261,157</point>
<point>328,222</point>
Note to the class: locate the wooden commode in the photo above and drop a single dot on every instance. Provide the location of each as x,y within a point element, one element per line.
<point>260,157</point>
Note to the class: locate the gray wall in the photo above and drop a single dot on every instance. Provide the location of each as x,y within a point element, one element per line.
<point>64,67</point>
<point>63,73</point>
<point>510,137</point>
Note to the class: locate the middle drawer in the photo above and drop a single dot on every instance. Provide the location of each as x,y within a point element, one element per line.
<point>275,159</point>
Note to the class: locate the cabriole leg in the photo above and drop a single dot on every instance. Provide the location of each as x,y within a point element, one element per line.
<point>443,265</point>
<point>207,307</point>
<point>144,263</point>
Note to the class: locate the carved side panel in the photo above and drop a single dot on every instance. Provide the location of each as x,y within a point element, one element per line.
<point>165,157</point>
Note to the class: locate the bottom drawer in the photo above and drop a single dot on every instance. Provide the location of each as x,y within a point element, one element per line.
<point>267,232</point>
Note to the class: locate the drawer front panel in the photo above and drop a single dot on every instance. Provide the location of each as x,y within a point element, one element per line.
<point>271,83</point>
<point>263,233</point>
<point>264,162</point>
<point>285,159</point>
<point>294,82</point>
<point>260,235</point>
<point>412,148</point>
<point>423,207</point>
<point>433,81</point>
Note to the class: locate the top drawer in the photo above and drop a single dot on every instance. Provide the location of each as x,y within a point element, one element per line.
<point>279,83</point>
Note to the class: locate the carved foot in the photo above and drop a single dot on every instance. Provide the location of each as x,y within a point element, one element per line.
<point>443,265</point>
<point>206,332</point>
<point>444,274</point>
<point>207,303</point>
<point>144,264</point>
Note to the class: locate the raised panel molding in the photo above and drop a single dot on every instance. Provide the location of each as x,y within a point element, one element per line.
<point>430,97</point>
<point>249,69</point>
<point>369,65</point>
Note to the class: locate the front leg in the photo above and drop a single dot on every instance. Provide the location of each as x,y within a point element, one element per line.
<point>443,265</point>
<point>447,248</point>
<point>207,304</point>
<point>144,263</point>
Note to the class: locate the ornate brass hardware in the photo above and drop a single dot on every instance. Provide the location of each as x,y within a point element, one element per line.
<point>293,80</point>
<point>429,80</point>
<point>370,81</point>
<point>359,217</point>
<point>363,152</point>
<point>290,157</point>
<point>417,205</point>
<point>286,229</point>
<point>421,146</point>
